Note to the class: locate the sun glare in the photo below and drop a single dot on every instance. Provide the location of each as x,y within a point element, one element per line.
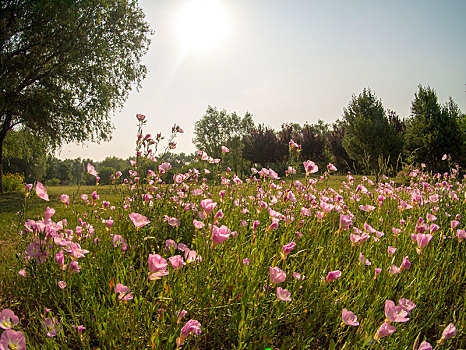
<point>202,24</point>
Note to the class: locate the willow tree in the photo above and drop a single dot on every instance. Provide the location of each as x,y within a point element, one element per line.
<point>65,65</point>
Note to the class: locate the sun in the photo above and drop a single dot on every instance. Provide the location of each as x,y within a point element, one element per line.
<point>202,24</point>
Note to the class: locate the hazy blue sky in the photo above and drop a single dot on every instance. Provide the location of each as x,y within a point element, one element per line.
<point>291,61</point>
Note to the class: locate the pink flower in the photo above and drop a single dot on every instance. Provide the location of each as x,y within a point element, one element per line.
<point>276,275</point>
<point>378,270</point>
<point>394,270</point>
<point>12,340</point>
<point>192,327</point>
<point>406,304</point>
<point>346,222</point>
<point>140,117</point>
<point>138,220</point>
<point>246,262</point>
<point>41,191</point>
<point>177,261</point>
<point>310,167</point>
<point>180,315</point>
<point>406,264</point>
<point>431,217</point>
<point>448,333</point>
<point>288,248</point>
<point>385,330</point>
<point>349,318</point>
<point>366,207</point>
<point>333,275</point>
<point>198,224</point>
<point>395,313</point>
<point>422,240</point>
<point>164,167</point>
<point>65,199</point>
<point>220,234</point>
<point>461,235</point>
<point>425,346</point>
<point>331,167</point>
<point>91,170</point>
<point>157,267</point>
<point>123,292</point>
<point>208,205</point>
<point>8,319</point>
<point>52,326</point>
<point>192,256</point>
<point>74,266</point>
<point>298,276</point>
<point>225,149</point>
<point>391,250</point>
<point>283,294</point>
<point>62,284</point>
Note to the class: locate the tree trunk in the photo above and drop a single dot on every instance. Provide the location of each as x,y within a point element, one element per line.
<point>2,138</point>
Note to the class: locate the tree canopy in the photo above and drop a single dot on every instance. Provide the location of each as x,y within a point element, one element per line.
<point>369,137</point>
<point>65,65</point>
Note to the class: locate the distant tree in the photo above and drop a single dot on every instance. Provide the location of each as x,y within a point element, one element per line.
<point>338,153</point>
<point>65,65</point>
<point>262,146</point>
<point>218,128</point>
<point>369,139</point>
<point>312,144</point>
<point>432,130</point>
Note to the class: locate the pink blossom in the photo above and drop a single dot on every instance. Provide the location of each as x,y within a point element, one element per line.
<point>225,149</point>
<point>140,117</point>
<point>461,235</point>
<point>246,261</point>
<point>169,244</point>
<point>138,220</point>
<point>349,318</point>
<point>52,326</point>
<point>192,256</point>
<point>8,319</point>
<point>164,167</point>
<point>65,199</point>
<point>41,191</point>
<point>91,170</point>
<point>157,267</point>
<point>310,167</point>
<point>220,234</point>
<point>333,275</point>
<point>298,276</point>
<point>391,250</point>
<point>62,284</point>
<point>123,292</point>
<point>192,327</point>
<point>406,304</point>
<point>283,294</point>
<point>331,167</point>
<point>11,339</point>
<point>378,270</point>
<point>385,330</point>
<point>180,315</point>
<point>422,240</point>
<point>448,333</point>
<point>454,224</point>
<point>406,264</point>
<point>276,275</point>
<point>177,261</point>
<point>394,270</point>
<point>366,207</point>
<point>288,248</point>
<point>395,313</point>
<point>74,266</point>
<point>425,346</point>
<point>346,222</point>
<point>431,217</point>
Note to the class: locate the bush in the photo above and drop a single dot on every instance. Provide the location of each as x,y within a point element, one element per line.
<point>53,182</point>
<point>13,182</point>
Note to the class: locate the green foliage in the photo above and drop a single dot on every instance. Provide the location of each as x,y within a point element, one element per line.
<point>368,134</point>
<point>13,182</point>
<point>218,128</point>
<point>65,65</point>
<point>432,130</point>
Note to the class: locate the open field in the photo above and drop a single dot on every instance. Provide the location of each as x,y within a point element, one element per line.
<point>239,265</point>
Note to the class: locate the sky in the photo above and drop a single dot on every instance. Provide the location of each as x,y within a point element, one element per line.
<point>286,61</point>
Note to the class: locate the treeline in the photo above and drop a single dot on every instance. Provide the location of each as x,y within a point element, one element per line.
<point>367,138</point>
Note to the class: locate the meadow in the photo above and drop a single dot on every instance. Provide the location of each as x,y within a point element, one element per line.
<point>314,262</point>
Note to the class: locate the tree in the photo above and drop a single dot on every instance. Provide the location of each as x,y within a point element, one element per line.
<point>218,128</point>
<point>262,146</point>
<point>312,144</point>
<point>432,130</point>
<point>335,138</point>
<point>369,138</point>
<point>65,65</point>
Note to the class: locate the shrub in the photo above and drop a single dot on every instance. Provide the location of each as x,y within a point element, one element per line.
<point>13,182</point>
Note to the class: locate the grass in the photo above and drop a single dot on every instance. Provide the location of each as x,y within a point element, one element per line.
<point>236,303</point>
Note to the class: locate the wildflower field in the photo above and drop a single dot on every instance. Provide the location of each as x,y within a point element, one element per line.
<point>230,263</point>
